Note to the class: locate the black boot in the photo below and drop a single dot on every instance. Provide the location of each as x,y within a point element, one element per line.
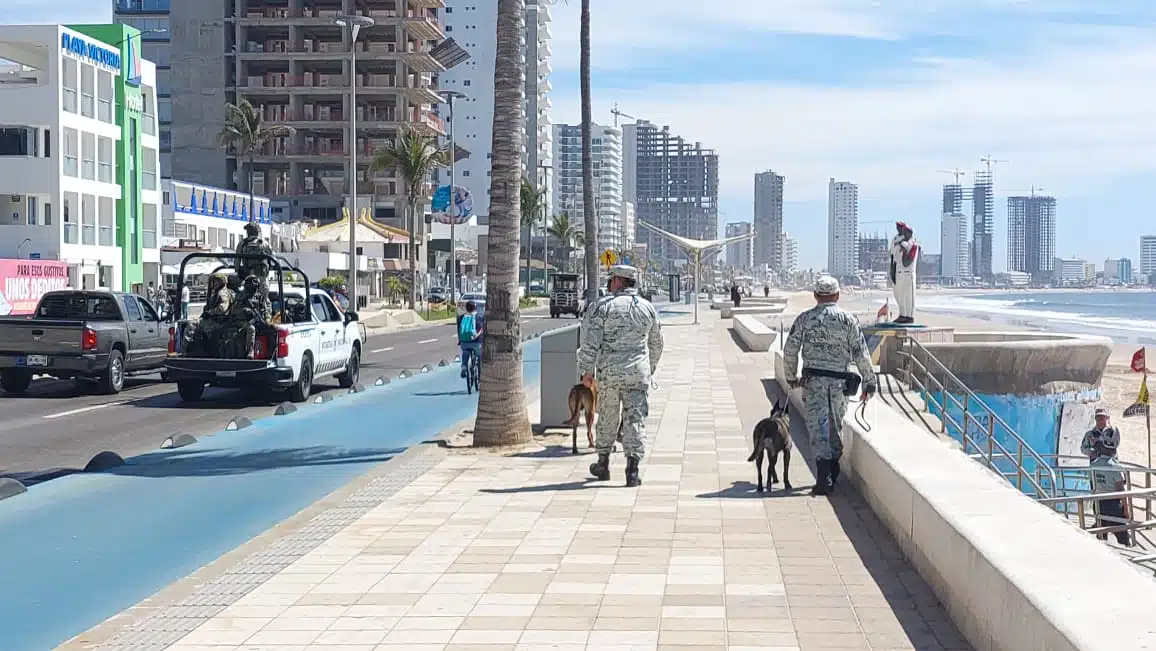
<point>834,468</point>
<point>822,478</point>
<point>632,478</point>
<point>601,468</point>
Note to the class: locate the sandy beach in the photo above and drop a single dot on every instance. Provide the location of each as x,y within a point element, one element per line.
<point>1119,386</point>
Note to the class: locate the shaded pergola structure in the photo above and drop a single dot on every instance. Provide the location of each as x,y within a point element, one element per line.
<point>694,249</point>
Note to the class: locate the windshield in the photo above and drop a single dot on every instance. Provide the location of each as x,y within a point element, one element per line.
<point>565,284</point>
<point>477,298</point>
<point>90,307</point>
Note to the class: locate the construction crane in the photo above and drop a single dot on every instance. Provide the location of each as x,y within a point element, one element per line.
<point>956,173</point>
<point>619,114</point>
<point>991,162</point>
<point>1033,190</point>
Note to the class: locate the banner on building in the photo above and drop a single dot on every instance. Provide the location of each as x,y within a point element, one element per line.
<point>23,282</point>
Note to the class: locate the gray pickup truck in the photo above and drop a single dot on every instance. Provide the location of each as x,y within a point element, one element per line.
<point>95,337</point>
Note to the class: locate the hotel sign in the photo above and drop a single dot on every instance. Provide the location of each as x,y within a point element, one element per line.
<point>100,56</point>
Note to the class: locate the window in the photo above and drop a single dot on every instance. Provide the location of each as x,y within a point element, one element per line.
<point>71,152</point>
<point>69,84</point>
<point>70,233</point>
<point>88,219</point>
<point>158,53</point>
<point>87,156</point>
<point>104,97</point>
<point>104,157</point>
<point>466,173</point>
<point>466,82</point>
<point>132,309</point>
<point>106,221</point>
<point>18,141</point>
<point>148,168</point>
<point>87,91</point>
<point>166,141</point>
<point>47,214</point>
<point>147,310</point>
<point>164,82</point>
<point>148,115</point>
<point>165,109</point>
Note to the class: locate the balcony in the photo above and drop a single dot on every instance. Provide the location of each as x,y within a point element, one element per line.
<point>427,123</point>
<point>419,90</point>
<point>419,25</point>
<point>427,4</point>
<point>419,59</point>
<point>282,84</point>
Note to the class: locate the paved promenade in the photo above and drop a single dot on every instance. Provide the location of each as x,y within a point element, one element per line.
<point>460,550</point>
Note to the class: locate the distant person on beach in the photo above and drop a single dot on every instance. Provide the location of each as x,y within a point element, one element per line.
<point>766,290</point>
<point>1108,476</point>
<point>1103,433</point>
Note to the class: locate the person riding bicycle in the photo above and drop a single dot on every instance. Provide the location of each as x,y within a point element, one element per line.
<point>470,335</point>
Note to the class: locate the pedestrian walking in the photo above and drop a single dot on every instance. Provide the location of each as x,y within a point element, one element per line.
<point>830,340</point>
<point>184,302</point>
<point>736,297</point>
<point>621,346</point>
<point>1108,476</point>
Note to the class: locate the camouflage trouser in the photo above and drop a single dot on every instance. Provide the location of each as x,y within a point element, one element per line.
<point>627,407</point>
<point>825,406</point>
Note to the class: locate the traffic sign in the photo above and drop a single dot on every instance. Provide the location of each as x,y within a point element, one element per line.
<point>608,258</point>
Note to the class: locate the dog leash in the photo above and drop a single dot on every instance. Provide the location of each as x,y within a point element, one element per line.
<point>861,416</point>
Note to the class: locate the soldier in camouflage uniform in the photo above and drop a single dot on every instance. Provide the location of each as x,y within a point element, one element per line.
<point>621,346</point>
<point>830,340</point>
<point>218,308</point>
<point>251,314</point>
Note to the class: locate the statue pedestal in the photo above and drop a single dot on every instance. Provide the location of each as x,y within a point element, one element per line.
<point>884,339</point>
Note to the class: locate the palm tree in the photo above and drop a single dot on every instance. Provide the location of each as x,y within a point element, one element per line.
<point>412,156</point>
<point>247,133</point>
<point>588,217</point>
<point>530,199</point>
<point>566,232</point>
<point>502,418</point>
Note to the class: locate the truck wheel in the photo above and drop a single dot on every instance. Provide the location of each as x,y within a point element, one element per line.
<point>352,369</point>
<point>300,391</point>
<point>113,379</point>
<point>190,390</point>
<point>15,381</point>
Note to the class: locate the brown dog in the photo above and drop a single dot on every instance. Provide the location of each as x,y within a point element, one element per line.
<point>771,436</point>
<point>582,399</point>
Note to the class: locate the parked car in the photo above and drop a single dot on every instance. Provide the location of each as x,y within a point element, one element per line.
<point>92,336</point>
<point>479,301</point>
<point>438,295</point>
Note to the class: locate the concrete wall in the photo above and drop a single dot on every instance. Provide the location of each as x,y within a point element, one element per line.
<point>199,86</point>
<point>1013,575</point>
<point>1043,363</point>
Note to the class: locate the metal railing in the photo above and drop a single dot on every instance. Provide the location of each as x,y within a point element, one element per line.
<point>924,372</point>
<point>1079,503</point>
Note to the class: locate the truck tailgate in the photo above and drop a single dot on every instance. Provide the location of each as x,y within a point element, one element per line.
<point>52,337</point>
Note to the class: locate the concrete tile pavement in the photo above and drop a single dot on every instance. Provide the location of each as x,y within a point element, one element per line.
<point>478,551</point>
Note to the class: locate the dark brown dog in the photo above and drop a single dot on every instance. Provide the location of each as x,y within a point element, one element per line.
<point>582,400</point>
<point>773,435</point>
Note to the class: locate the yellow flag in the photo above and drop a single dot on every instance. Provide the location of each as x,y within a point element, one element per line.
<point>1139,407</point>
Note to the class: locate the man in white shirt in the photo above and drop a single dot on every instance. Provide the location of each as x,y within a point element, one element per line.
<point>184,302</point>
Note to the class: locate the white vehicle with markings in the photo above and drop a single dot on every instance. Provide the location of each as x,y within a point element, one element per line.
<point>312,339</point>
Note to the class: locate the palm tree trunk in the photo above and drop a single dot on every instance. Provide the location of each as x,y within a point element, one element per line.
<point>252,164</point>
<point>529,253</point>
<point>411,207</point>
<point>589,219</point>
<point>502,418</point>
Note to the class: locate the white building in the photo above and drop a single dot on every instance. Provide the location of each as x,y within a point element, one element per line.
<point>629,225</point>
<point>79,152</point>
<point>842,228</point>
<point>606,148</point>
<point>473,25</point>
<point>740,255</point>
<point>954,247</point>
<point>1147,256</point>
<point>790,249</point>
<point>1072,271</point>
<point>201,218</point>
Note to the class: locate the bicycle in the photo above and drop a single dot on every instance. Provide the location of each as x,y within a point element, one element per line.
<point>473,371</point>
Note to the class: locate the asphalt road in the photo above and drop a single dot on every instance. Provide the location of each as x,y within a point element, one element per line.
<point>54,429</point>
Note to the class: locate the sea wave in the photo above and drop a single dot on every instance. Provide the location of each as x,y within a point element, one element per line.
<point>1044,314</point>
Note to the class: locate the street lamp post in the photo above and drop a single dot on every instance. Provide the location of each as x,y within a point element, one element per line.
<point>354,24</point>
<point>450,96</point>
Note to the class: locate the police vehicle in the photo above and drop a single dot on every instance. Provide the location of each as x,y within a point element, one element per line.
<point>311,339</point>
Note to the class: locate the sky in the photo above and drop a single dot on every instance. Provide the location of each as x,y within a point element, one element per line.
<point>884,93</point>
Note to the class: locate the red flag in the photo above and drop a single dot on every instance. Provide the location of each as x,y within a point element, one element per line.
<point>884,310</point>
<point>1139,364</point>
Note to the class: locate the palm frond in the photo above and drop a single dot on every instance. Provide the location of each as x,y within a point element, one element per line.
<point>412,156</point>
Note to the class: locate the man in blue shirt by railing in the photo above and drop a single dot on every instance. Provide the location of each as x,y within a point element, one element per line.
<point>470,335</point>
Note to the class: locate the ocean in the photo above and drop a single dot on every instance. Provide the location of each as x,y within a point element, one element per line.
<point>1125,316</point>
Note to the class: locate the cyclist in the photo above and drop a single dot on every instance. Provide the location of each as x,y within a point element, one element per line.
<point>470,335</point>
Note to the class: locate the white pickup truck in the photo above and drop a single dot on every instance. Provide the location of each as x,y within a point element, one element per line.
<point>314,341</point>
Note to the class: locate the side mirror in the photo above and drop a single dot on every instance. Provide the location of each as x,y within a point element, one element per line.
<point>351,317</point>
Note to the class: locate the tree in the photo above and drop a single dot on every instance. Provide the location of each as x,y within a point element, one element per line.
<point>412,156</point>
<point>566,232</point>
<point>589,219</point>
<point>247,133</point>
<point>502,418</point>
<point>530,200</point>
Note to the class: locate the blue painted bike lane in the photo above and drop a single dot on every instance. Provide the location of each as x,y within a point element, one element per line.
<point>83,548</point>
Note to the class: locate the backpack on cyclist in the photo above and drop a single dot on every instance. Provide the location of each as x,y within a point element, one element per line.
<point>466,328</point>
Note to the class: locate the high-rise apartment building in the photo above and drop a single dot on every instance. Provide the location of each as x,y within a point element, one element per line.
<point>740,255</point>
<point>842,228</point>
<point>292,62</point>
<point>954,248</point>
<point>1147,256</point>
<point>790,254</point>
<point>769,218</point>
<point>1118,271</point>
<point>1031,240</point>
<point>982,224</point>
<point>151,17</point>
<point>606,149</point>
<point>673,185</point>
<point>629,225</point>
<point>473,25</point>
<point>952,199</point>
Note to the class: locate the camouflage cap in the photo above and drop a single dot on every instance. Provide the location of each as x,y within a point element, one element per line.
<point>826,286</point>
<point>624,271</point>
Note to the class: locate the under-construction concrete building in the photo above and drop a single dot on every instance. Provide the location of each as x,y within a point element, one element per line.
<point>982,224</point>
<point>952,199</point>
<point>291,61</point>
<point>673,185</point>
